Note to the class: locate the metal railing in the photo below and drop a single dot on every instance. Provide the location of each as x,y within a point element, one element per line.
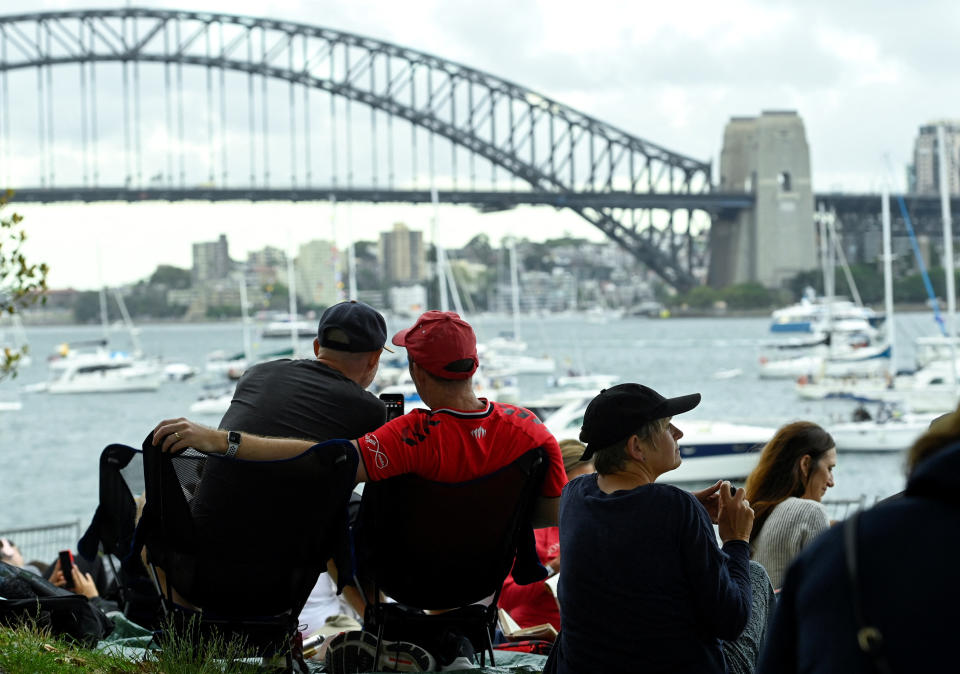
<point>841,509</point>
<point>43,543</point>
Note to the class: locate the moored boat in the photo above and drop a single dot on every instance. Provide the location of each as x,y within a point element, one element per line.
<point>710,450</point>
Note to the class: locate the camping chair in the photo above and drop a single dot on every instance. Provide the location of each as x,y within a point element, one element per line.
<point>111,534</point>
<point>246,550</point>
<point>437,546</point>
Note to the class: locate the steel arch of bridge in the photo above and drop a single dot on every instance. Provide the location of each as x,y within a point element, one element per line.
<point>553,148</point>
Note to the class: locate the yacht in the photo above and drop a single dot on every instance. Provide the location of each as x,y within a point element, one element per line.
<point>284,325</point>
<point>826,361</point>
<point>890,430</point>
<point>929,389</point>
<point>710,450</point>
<point>120,377</point>
<point>812,311</point>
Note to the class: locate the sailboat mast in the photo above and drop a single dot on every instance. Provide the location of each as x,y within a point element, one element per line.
<point>245,318</point>
<point>515,286</point>
<point>948,251</point>
<point>441,257</point>
<point>292,297</point>
<point>888,277</point>
<point>104,321</point>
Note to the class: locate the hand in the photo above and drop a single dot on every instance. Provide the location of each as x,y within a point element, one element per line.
<point>710,499</point>
<point>736,516</point>
<point>176,435</point>
<point>83,584</point>
<point>553,565</point>
<point>57,576</point>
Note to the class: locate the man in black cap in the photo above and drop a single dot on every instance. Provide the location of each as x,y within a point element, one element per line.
<point>317,399</point>
<point>644,584</point>
<point>310,399</point>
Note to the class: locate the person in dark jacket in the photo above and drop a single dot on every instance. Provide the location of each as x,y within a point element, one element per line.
<point>906,561</point>
<point>644,585</point>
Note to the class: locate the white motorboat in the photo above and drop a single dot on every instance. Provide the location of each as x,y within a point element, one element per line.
<point>218,362</point>
<point>807,314</point>
<point>285,325</point>
<point>179,371</point>
<point>936,348</point>
<point>926,390</point>
<point>213,402</point>
<point>710,450</point>
<point>889,431</point>
<point>85,352</point>
<point>107,378</point>
<point>850,362</point>
<point>572,388</point>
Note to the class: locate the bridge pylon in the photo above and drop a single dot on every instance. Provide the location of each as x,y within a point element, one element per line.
<point>768,157</point>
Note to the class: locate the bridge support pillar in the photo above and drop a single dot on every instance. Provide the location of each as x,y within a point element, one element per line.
<point>768,156</point>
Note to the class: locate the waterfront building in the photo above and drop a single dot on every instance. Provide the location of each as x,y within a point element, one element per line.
<point>402,256</point>
<point>316,273</point>
<point>926,158</point>
<point>211,260</point>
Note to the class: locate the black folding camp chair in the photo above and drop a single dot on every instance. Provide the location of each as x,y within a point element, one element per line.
<point>110,535</point>
<point>248,550</point>
<point>439,546</point>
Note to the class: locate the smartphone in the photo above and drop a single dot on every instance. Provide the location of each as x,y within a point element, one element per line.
<point>733,490</point>
<point>66,566</point>
<point>393,403</point>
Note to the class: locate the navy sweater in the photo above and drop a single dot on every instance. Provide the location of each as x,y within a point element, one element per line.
<point>644,585</point>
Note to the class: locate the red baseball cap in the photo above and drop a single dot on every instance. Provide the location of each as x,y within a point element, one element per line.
<point>439,339</point>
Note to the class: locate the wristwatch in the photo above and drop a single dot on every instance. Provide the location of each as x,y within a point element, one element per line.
<point>233,443</point>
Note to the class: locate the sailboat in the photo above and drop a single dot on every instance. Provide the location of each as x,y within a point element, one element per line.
<point>505,354</point>
<point>891,430</point>
<point>845,346</point>
<point>92,367</point>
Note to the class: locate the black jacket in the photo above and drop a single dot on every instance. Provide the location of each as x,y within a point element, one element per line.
<point>909,552</point>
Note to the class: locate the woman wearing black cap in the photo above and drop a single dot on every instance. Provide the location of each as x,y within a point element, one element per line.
<point>645,586</point>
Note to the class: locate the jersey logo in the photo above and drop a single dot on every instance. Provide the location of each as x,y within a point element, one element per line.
<point>378,455</point>
<point>478,432</point>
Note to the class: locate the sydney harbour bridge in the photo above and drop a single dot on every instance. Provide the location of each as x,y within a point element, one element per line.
<point>137,104</point>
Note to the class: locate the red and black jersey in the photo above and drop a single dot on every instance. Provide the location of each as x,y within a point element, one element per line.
<point>448,445</point>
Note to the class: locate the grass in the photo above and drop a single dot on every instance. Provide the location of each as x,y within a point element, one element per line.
<point>28,649</point>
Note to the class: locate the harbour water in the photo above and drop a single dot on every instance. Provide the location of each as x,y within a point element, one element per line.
<point>49,449</point>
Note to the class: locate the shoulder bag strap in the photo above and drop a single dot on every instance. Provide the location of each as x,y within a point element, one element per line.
<point>869,638</point>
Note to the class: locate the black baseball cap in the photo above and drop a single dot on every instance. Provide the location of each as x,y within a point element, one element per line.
<point>617,412</point>
<point>360,324</point>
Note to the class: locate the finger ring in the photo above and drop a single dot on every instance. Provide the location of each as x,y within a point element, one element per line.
<point>177,433</point>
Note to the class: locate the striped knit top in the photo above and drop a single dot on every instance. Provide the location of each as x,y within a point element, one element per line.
<point>791,526</point>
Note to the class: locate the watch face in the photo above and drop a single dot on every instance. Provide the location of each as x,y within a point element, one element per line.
<point>233,437</point>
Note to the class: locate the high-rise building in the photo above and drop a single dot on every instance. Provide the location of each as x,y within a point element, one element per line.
<point>211,260</point>
<point>926,157</point>
<point>402,255</point>
<point>316,273</point>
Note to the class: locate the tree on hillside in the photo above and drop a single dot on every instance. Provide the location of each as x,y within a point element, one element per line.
<point>21,283</point>
<point>171,277</point>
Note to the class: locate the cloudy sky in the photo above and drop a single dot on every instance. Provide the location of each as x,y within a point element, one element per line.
<point>863,75</point>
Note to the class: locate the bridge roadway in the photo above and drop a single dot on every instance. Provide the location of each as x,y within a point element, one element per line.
<point>712,202</point>
<point>853,209</point>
